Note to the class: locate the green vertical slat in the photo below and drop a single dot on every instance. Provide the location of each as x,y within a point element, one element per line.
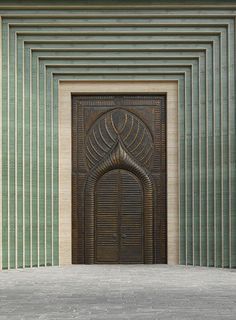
<point>225,152</point>
<point>12,160</point>
<point>34,146</point>
<point>202,133</point>
<point>225,156</point>
<point>27,160</point>
<point>232,80</point>
<point>41,173</point>
<point>210,173</point>
<point>195,140</point>
<point>5,195</point>
<point>20,125</point>
<point>217,161</point>
<point>48,172</point>
<point>225,149</point>
<point>188,142</point>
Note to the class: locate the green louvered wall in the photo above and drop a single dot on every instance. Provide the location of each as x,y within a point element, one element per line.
<point>193,45</point>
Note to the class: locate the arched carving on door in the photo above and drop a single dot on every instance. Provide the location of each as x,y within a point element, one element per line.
<point>118,158</point>
<point>122,125</point>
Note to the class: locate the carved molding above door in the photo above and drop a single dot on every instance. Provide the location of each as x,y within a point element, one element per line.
<point>119,125</point>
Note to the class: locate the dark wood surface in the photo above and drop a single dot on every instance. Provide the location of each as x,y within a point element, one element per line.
<point>119,218</point>
<point>119,179</point>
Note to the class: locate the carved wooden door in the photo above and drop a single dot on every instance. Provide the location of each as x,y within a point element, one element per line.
<point>118,179</point>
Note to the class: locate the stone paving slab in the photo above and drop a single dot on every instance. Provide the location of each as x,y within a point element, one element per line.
<point>122,292</point>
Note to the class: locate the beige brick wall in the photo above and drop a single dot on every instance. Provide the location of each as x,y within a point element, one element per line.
<point>65,91</point>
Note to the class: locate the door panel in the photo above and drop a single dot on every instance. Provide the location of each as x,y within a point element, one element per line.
<point>119,179</point>
<point>107,218</point>
<point>131,211</point>
<point>119,218</point>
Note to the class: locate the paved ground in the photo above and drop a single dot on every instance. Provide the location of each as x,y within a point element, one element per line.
<point>142,292</point>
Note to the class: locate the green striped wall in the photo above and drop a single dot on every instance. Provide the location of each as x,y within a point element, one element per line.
<point>195,47</point>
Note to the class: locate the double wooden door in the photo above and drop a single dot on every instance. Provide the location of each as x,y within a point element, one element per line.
<point>118,179</point>
<point>119,224</point>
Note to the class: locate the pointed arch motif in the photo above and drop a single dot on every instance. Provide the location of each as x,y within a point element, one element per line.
<point>118,158</point>
<point>123,125</point>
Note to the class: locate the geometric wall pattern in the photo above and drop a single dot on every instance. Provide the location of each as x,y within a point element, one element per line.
<point>195,46</point>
